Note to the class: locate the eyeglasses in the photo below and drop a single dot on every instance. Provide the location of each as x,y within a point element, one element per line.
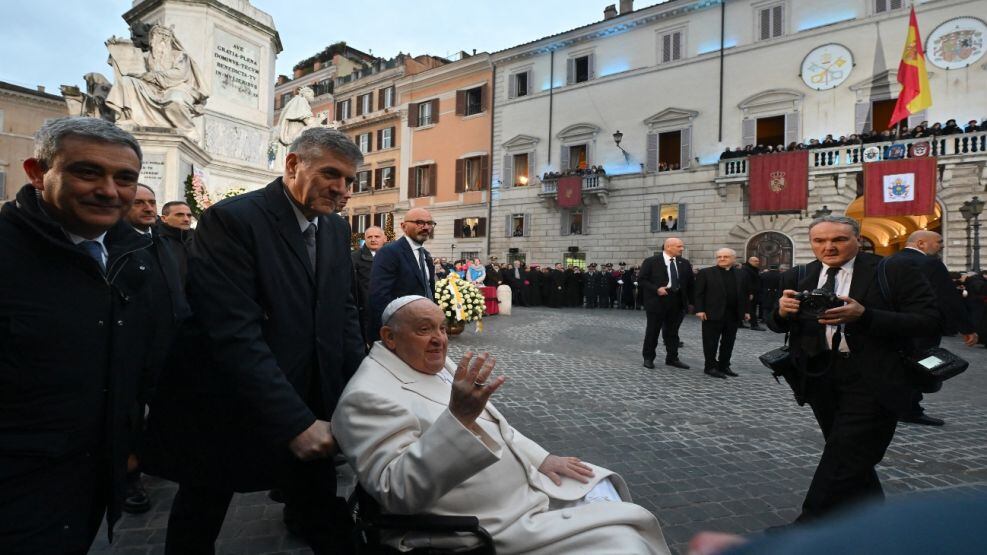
<point>422,223</point>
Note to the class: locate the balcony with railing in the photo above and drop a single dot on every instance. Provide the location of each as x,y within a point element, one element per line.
<point>850,157</point>
<point>593,185</point>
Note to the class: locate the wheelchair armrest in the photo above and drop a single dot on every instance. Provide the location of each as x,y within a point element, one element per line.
<point>429,523</point>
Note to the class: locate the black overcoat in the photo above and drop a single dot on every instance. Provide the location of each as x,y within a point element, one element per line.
<point>73,347</point>
<point>270,347</point>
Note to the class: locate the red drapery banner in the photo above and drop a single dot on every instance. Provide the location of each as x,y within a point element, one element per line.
<point>570,191</point>
<point>779,183</point>
<point>900,187</point>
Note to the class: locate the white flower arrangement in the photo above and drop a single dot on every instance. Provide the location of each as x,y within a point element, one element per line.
<point>460,300</point>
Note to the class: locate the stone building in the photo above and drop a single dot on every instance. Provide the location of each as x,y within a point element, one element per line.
<point>654,96</point>
<point>319,72</point>
<point>366,108</point>
<point>445,162</point>
<point>22,112</point>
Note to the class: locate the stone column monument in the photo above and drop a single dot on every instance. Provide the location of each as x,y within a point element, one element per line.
<point>195,84</point>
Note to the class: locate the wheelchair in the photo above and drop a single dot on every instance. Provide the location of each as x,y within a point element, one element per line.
<point>457,534</point>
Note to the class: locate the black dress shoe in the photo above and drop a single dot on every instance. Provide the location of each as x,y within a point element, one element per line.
<point>677,363</point>
<point>923,419</point>
<point>757,328</point>
<point>649,364</point>
<point>715,374</point>
<point>729,372</point>
<point>136,500</point>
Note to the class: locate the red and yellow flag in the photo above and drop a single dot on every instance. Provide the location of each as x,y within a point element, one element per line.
<point>915,94</point>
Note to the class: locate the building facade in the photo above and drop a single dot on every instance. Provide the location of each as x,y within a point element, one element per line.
<point>366,108</point>
<point>445,163</point>
<point>679,82</point>
<point>22,112</point>
<point>319,72</point>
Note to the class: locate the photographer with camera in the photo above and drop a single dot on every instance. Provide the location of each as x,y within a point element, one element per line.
<point>847,341</point>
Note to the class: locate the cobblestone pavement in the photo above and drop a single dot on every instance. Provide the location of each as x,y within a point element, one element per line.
<point>701,453</point>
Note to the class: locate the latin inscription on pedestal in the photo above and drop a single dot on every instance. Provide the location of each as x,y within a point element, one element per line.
<point>153,174</point>
<point>236,69</point>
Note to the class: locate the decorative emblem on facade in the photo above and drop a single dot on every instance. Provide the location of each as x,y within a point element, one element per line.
<point>872,154</point>
<point>827,67</point>
<point>920,150</point>
<point>895,152</point>
<point>956,43</point>
<point>777,183</point>
<point>899,187</point>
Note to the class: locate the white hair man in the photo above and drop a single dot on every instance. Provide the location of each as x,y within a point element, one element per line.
<point>722,303</point>
<point>423,438</point>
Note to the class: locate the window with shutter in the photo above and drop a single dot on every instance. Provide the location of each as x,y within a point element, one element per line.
<point>582,69</point>
<point>472,101</point>
<point>507,171</point>
<point>564,219</point>
<point>655,218</point>
<point>460,175</point>
<point>413,114</point>
<point>481,227</point>
<point>457,228</point>
<point>3,185</point>
<point>771,22</point>
<point>521,166</point>
<point>685,144</point>
<point>435,110</point>
<point>666,48</point>
<point>881,6</point>
<point>651,163</point>
<point>670,46</point>
<point>527,225</point>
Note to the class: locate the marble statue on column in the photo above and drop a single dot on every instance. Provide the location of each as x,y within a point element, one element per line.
<point>156,83</point>
<point>91,103</point>
<point>296,116</point>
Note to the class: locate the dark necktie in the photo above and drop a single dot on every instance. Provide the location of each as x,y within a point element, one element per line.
<point>421,266</point>
<point>830,284</point>
<point>673,275</point>
<point>309,235</point>
<point>95,251</point>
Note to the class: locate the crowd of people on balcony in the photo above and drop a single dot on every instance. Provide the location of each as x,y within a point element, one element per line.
<point>582,172</point>
<point>919,131</point>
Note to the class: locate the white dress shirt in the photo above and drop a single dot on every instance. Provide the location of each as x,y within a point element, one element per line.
<point>76,239</point>
<point>668,270</point>
<point>419,251</point>
<point>843,279</point>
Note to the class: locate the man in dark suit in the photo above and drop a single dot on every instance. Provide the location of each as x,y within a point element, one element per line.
<point>769,289</point>
<point>752,268</point>
<point>274,339</point>
<point>515,277</point>
<point>846,361</point>
<point>920,252</point>
<point>402,267</point>
<point>666,284</point>
<point>363,262</point>
<point>143,216</point>
<point>721,304</point>
<point>78,293</point>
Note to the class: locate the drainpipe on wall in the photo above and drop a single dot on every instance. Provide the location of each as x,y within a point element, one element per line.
<point>723,16</point>
<point>493,80</point>
<point>551,100</point>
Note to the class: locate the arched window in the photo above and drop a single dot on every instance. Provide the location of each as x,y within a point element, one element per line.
<point>772,248</point>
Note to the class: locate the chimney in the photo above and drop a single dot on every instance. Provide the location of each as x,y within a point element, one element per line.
<point>41,88</point>
<point>609,12</point>
<point>626,6</point>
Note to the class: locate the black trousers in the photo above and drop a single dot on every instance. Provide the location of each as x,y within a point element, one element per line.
<point>721,335</point>
<point>667,322</point>
<point>857,429</point>
<point>309,488</point>
<point>51,506</point>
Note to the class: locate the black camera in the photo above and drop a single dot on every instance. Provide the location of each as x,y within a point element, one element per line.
<point>813,303</point>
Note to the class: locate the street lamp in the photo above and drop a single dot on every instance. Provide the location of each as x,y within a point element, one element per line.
<point>617,137</point>
<point>967,214</point>
<point>976,206</point>
<point>822,212</point>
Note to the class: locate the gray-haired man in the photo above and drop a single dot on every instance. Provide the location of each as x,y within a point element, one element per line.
<point>270,285</point>
<point>74,300</point>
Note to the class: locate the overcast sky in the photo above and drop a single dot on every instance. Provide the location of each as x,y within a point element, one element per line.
<point>55,42</point>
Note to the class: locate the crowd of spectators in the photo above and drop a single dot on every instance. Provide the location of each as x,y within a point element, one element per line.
<point>582,172</point>
<point>921,130</point>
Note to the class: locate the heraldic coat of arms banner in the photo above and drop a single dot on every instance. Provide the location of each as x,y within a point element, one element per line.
<point>779,183</point>
<point>900,187</point>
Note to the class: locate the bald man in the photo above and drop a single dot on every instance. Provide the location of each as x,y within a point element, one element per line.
<point>722,303</point>
<point>666,290</point>
<point>921,252</point>
<point>402,267</point>
<point>363,262</point>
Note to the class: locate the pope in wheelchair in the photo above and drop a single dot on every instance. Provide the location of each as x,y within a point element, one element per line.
<point>423,438</point>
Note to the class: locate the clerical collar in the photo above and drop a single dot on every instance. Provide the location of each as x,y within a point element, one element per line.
<point>303,222</point>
